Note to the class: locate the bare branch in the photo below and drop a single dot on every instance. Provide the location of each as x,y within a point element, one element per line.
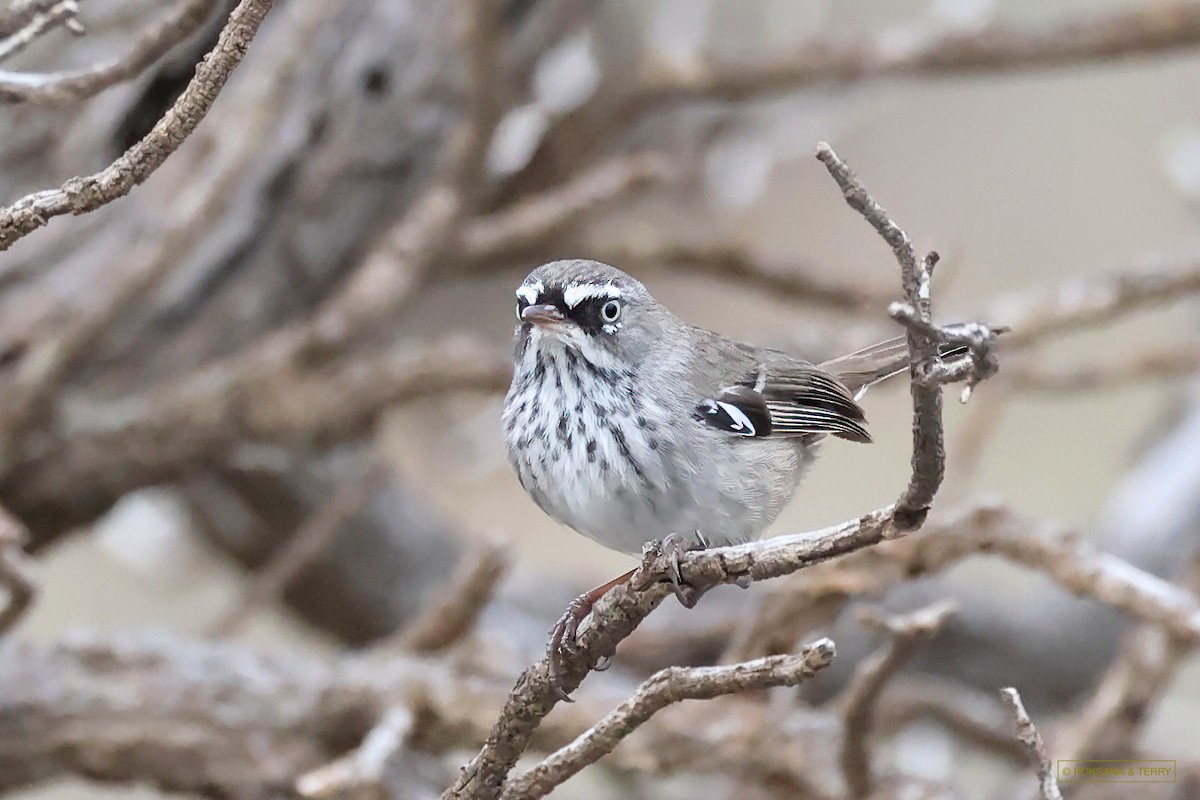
<point>671,685</point>
<point>55,88</point>
<point>860,696</point>
<point>83,194</point>
<point>450,616</point>
<point>317,532</point>
<point>1029,736</point>
<point>1163,28</point>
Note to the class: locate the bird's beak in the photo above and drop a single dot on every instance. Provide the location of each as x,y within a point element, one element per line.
<point>542,315</point>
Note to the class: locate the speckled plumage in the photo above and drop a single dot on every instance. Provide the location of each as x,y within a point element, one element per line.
<point>601,418</point>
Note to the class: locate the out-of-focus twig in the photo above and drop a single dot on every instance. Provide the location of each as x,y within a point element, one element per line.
<point>871,676</point>
<point>83,194</point>
<point>1107,724</point>
<point>1097,37</point>
<point>974,717</point>
<point>52,88</point>
<point>64,13</point>
<point>671,685</point>
<point>1028,735</point>
<point>15,577</point>
<point>317,532</point>
<point>1161,363</point>
<point>534,218</point>
<point>1093,300</point>
<point>363,770</point>
<point>454,611</point>
<point>794,282</point>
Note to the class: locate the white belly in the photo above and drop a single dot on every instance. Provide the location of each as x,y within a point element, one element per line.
<point>614,464</point>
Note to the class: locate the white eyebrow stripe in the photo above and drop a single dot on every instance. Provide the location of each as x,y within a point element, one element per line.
<point>576,293</point>
<point>530,292</point>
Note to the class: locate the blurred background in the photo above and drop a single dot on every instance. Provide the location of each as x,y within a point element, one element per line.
<point>171,422</point>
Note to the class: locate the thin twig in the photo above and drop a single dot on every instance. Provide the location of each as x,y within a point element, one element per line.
<point>908,632</point>
<point>454,611</point>
<point>310,539</point>
<point>671,685</point>
<point>1028,735</point>
<point>929,452</point>
<point>83,194</point>
<point>53,88</point>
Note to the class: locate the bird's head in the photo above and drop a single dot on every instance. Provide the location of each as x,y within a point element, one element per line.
<point>594,309</point>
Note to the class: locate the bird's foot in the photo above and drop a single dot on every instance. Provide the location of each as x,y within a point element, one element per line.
<point>564,644</point>
<point>674,546</point>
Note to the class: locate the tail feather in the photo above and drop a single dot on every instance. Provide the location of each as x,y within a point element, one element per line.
<point>862,369</point>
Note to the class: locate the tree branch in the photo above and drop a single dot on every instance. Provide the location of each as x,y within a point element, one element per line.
<point>83,194</point>
<point>56,88</point>
<point>671,685</point>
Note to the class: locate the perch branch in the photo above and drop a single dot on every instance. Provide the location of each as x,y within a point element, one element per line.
<point>1028,735</point>
<point>623,608</point>
<point>859,699</point>
<point>671,685</point>
<point>83,194</point>
<point>55,88</point>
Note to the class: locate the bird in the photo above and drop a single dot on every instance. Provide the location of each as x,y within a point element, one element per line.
<point>629,425</point>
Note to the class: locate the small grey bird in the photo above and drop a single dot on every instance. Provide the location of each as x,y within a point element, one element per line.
<point>628,425</point>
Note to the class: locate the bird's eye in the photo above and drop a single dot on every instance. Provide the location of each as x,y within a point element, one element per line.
<point>611,311</point>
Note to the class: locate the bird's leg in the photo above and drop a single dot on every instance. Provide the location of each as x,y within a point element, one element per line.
<point>562,635</point>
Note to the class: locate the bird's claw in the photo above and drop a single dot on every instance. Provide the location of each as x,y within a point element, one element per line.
<point>674,546</point>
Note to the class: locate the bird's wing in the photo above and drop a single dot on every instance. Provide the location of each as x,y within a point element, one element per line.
<point>789,399</point>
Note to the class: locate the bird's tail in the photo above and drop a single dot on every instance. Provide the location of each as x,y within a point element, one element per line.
<point>864,368</point>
